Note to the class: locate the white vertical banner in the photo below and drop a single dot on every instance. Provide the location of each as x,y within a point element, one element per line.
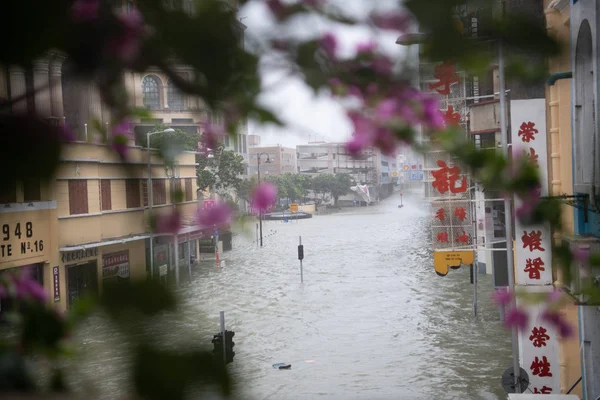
<point>538,342</point>
<point>533,261</point>
<point>538,347</point>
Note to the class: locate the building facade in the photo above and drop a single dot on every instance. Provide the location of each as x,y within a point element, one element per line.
<point>282,160</point>
<point>89,225</point>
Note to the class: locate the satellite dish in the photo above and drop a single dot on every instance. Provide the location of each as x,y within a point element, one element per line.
<point>508,381</point>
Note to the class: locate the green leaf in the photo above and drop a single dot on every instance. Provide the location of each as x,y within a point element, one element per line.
<point>147,297</point>
<point>163,374</point>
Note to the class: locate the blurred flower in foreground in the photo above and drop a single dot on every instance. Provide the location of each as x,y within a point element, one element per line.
<point>126,46</point>
<point>264,196</point>
<point>85,10</point>
<point>216,216</point>
<point>502,297</point>
<point>329,45</point>
<point>212,136</point>
<point>528,205</point>
<point>168,223</point>
<point>391,20</point>
<point>554,317</point>
<point>121,134</point>
<point>22,285</point>
<point>516,317</point>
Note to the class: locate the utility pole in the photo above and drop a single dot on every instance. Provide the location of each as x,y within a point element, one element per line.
<point>260,211</point>
<point>508,215</point>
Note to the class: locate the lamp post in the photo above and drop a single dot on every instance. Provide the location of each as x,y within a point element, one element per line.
<point>268,161</point>
<point>172,176</point>
<point>149,190</point>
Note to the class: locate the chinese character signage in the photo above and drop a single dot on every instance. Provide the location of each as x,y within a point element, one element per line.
<point>538,343</point>
<point>452,224</point>
<point>532,243</point>
<point>538,348</point>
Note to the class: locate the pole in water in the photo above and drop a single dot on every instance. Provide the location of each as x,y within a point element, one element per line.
<point>222,326</point>
<point>301,257</point>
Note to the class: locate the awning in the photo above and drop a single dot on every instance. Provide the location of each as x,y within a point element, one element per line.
<point>104,243</point>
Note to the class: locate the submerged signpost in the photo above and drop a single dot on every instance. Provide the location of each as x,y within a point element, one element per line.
<point>301,257</point>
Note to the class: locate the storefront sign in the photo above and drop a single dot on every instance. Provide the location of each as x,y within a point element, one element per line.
<point>444,260</point>
<point>25,236</point>
<point>79,255</point>
<point>115,264</point>
<point>538,343</point>
<point>56,284</point>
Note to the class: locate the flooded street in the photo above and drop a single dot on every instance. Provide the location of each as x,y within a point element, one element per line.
<point>372,318</point>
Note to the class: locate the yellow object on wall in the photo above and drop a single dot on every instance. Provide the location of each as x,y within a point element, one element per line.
<point>444,260</point>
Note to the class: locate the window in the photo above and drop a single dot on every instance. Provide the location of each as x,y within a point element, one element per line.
<point>159,192</point>
<point>78,197</point>
<point>9,194</point>
<point>132,193</point>
<point>176,189</point>
<point>151,92</point>
<point>105,195</point>
<point>174,96</point>
<point>189,195</point>
<point>31,190</point>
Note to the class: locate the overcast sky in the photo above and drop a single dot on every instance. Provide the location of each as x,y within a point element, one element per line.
<point>309,117</point>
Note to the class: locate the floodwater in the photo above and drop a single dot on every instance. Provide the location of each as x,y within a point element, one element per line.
<point>372,320</point>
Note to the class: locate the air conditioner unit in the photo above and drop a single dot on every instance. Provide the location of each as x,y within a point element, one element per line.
<point>583,244</point>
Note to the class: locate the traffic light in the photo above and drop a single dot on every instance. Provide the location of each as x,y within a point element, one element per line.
<point>229,343</point>
<point>217,342</point>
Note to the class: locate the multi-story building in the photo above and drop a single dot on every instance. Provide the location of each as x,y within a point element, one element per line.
<point>332,158</point>
<point>90,223</point>
<point>282,160</point>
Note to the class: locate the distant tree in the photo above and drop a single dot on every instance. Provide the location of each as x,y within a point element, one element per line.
<point>221,170</point>
<point>170,144</point>
<point>339,186</point>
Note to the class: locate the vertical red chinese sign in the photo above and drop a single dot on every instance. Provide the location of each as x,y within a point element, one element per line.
<point>538,342</point>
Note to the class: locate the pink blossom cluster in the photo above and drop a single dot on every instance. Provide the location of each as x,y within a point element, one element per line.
<point>517,316</point>
<point>21,285</point>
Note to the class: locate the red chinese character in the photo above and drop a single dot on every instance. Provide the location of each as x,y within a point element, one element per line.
<point>460,213</point>
<point>539,336</point>
<point>532,239</point>
<point>533,267</point>
<point>446,179</point>
<point>543,390</point>
<point>540,367</point>
<point>464,238</point>
<point>451,117</point>
<point>446,75</point>
<point>440,214</point>
<point>442,237</point>
<point>533,157</point>
<point>527,131</point>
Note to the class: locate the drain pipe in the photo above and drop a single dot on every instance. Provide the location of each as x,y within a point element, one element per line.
<point>558,76</point>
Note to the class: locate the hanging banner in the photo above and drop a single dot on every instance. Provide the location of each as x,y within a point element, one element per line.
<point>115,264</point>
<point>538,347</point>
<point>538,342</point>
<point>533,261</point>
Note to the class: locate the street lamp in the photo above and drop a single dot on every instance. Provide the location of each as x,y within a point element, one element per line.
<point>268,161</point>
<point>150,200</point>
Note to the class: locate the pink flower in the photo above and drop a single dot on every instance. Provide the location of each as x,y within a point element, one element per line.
<point>264,196</point>
<point>355,91</point>
<point>212,136</point>
<point>385,141</point>
<point>386,109</point>
<point>366,48</point>
<point>382,66</point>
<point>516,317</point>
<point>555,296</point>
<point>126,46</point>
<point>28,288</point>
<point>329,45</point>
<point>528,205</point>
<point>362,125</point>
<point>553,317</point>
<point>432,117</point>
<point>502,297</point>
<point>168,223</point>
<point>85,10</point>
<point>66,134</point>
<point>581,255</point>
<point>216,216</point>
<point>123,128</point>
<point>394,20</point>
<point>357,144</point>
<point>277,8</point>
<point>121,134</point>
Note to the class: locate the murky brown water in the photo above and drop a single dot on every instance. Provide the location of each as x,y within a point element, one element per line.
<point>372,314</point>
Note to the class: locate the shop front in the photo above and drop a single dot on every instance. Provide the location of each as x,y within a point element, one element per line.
<point>81,268</point>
